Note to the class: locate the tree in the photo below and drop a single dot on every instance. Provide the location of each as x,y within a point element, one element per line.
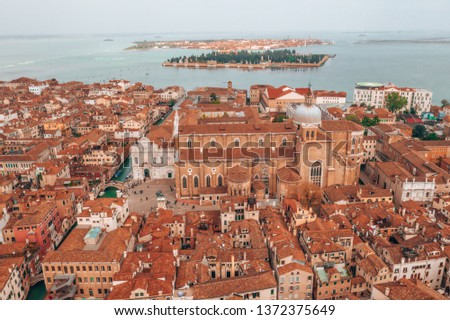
<point>395,102</point>
<point>445,102</point>
<point>431,136</point>
<point>419,131</point>
<point>353,118</point>
<point>368,122</point>
<point>279,118</point>
<point>309,194</point>
<point>412,110</point>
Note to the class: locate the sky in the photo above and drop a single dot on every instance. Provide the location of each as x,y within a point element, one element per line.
<point>48,17</point>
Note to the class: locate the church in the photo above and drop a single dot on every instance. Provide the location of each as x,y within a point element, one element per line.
<point>154,156</point>
<point>270,160</point>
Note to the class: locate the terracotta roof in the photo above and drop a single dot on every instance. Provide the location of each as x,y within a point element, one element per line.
<point>231,286</point>
<point>406,289</point>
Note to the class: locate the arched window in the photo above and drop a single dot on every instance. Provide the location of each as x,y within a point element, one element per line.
<point>236,142</point>
<point>219,181</point>
<point>307,134</point>
<point>261,142</point>
<point>184,182</point>
<point>312,134</point>
<point>284,141</point>
<point>316,173</point>
<point>213,143</point>
<point>256,177</point>
<point>208,181</point>
<point>196,182</point>
<point>189,143</point>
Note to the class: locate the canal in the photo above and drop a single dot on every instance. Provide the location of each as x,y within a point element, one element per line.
<point>121,175</point>
<point>37,292</point>
<point>124,170</point>
<point>160,121</point>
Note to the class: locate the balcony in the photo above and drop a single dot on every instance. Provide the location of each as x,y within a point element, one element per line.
<point>63,288</point>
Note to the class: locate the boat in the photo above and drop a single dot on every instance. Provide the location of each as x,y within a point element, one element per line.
<point>117,174</point>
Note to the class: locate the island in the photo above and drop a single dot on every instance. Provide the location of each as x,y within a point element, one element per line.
<point>228,45</point>
<point>246,59</point>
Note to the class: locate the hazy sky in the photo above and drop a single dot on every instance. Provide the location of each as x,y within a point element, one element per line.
<point>157,16</point>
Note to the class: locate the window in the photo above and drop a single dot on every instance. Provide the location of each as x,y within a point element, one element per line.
<point>220,181</point>
<point>236,142</point>
<point>284,143</point>
<point>213,143</point>
<point>189,143</point>
<point>208,181</point>
<point>316,173</point>
<point>184,182</point>
<point>195,181</point>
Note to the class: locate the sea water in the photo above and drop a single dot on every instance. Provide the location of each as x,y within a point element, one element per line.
<point>405,58</point>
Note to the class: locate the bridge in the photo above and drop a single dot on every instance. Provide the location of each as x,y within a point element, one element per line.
<point>37,278</point>
<point>122,186</point>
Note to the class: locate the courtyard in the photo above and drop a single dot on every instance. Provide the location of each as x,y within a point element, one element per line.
<point>142,198</point>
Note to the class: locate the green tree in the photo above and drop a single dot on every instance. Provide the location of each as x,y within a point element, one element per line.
<point>412,110</point>
<point>395,102</point>
<point>368,122</point>
<point>431,136</point>
<point>445,102</point>
<point>213,97</point>
<point>419,131</point>
<point>279,118</point>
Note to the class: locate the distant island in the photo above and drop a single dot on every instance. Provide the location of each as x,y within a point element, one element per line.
<point>250,60</point>
<point>228,45</point>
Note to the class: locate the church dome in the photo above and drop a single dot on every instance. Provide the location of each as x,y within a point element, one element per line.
<point>307,114</point>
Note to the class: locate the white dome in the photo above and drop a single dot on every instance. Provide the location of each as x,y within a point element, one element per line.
<point>307,115</point>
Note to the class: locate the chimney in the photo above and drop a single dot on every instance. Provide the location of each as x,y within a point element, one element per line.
<point>232,265</point>
<point>230,89</point>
